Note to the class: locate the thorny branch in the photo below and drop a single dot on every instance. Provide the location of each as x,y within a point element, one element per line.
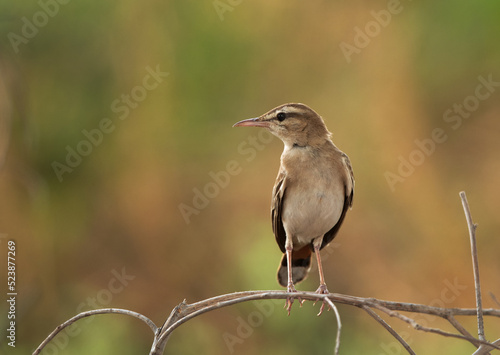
<point>184,311</point>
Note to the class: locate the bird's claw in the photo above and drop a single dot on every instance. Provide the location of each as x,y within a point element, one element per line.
<point>322,290</point>
<point>289,300</point>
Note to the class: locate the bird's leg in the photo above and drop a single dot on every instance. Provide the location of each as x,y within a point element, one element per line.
<point>322,290</point>
<point>290,286</point>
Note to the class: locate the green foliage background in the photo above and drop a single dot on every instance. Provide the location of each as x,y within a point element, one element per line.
<point>120,207</point>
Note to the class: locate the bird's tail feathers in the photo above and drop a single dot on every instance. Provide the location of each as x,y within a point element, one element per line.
<point>301,264</point>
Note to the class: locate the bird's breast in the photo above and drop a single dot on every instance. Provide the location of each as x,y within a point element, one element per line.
<point>311,208</point>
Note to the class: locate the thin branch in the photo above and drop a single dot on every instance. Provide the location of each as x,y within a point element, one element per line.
<point>70,321</point>
<point>475,265</point>
<point>418,326</point>
<point>485,349</point>
<point>389,329</point>
<point>339,324</point>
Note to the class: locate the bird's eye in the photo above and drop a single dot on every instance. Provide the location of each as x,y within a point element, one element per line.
<point>281,116</point>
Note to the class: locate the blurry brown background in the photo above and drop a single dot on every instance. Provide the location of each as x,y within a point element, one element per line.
<point>108,231</point>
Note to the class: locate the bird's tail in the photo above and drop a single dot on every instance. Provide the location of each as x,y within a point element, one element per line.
<point>301,264</point>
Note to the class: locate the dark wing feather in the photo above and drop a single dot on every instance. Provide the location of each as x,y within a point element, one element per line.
<point>349,194</point>
<point>276,209</point>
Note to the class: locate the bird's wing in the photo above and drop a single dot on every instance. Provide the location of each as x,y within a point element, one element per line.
<point>349,186</point>
<point>349,194</point>
<point>277,208</point>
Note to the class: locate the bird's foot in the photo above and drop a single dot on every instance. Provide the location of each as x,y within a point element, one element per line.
<point>289,300</point>
<point>322,290</point>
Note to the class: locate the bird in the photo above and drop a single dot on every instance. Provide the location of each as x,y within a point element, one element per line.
<point>312,193</point>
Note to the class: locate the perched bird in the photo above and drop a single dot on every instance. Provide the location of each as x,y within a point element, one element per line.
<point>313,190</point>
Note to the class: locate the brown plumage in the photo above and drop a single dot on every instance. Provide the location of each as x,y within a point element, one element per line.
<point>313,190</point>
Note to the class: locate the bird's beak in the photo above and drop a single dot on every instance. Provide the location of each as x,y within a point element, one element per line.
<point>252,122</point>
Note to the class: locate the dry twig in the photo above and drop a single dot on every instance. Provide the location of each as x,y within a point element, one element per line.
<point>184,311</point>
<point>389,329</point>
<point>339,325</point>
<point>72,320</point>
<point>475,265</point>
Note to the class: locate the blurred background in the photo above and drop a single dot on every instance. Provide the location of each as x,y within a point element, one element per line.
<point>124,185</point>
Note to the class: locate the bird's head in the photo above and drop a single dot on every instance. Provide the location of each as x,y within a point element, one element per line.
<point>294,124</point>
